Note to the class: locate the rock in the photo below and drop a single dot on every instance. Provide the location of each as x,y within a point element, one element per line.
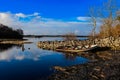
<point>95,77</point>
<point>102,76</point>
<point>58,68</point>
<point>98,68</point>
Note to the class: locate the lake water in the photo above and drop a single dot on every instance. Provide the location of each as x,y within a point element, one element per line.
<point>28,62</point>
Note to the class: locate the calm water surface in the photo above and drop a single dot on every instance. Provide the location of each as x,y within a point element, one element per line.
<point>28,62</point>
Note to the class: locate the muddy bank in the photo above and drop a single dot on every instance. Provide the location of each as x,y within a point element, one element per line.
<point>14,41</point>
<point>100,68</point>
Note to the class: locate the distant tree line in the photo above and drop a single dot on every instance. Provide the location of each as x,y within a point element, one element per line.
<point>8,33</point>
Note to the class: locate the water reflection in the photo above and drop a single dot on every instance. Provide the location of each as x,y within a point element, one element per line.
<point>70,56</point>
<point>23,48</point>
<point>5,47</point>
<point>10,52</point>
<point>28,62</point>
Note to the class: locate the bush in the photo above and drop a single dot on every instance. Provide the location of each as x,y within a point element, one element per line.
<point>70,36</point>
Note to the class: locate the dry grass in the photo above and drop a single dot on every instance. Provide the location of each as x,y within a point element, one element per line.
<point>111,31</point>
<point>70,36</point>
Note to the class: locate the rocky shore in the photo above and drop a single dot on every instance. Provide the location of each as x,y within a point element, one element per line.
<point>102,65</point>
<point>113,43</point>
<point>100,69</point>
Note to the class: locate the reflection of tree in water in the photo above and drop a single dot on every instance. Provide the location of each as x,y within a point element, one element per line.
<point>70,56</point>
<point>4,47</point>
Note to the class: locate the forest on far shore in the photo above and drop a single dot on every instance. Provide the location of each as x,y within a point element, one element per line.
<point>8,33</point>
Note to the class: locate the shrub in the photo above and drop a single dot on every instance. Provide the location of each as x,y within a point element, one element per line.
<point>70,36</point>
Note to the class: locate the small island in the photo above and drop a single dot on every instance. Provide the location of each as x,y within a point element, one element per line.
<point>11,36</point>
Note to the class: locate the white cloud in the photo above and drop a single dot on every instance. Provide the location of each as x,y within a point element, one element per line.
<point>36,14</point>
<point>20,15</point>
<point>24,16</point>
<point>36,24</point>
<point>83,18</point>
<point>17,54</point>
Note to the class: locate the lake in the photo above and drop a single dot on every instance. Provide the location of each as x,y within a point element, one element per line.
<point>28,62</point>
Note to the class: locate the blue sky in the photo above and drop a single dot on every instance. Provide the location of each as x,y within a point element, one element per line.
<point>50,8</point>
<point>48,16</point>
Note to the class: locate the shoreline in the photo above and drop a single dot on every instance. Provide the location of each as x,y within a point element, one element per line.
<point>100,69</point>
<point>112,43</point>
<point>14,41</point>
<point>103,65</point>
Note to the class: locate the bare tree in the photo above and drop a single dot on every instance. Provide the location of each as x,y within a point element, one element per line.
<point>108,21</point>
<point>107,14</point>
<point>118,15</point>
<point>94,21</point>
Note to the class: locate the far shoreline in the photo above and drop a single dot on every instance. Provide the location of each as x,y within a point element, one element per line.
<point>52,36</point>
